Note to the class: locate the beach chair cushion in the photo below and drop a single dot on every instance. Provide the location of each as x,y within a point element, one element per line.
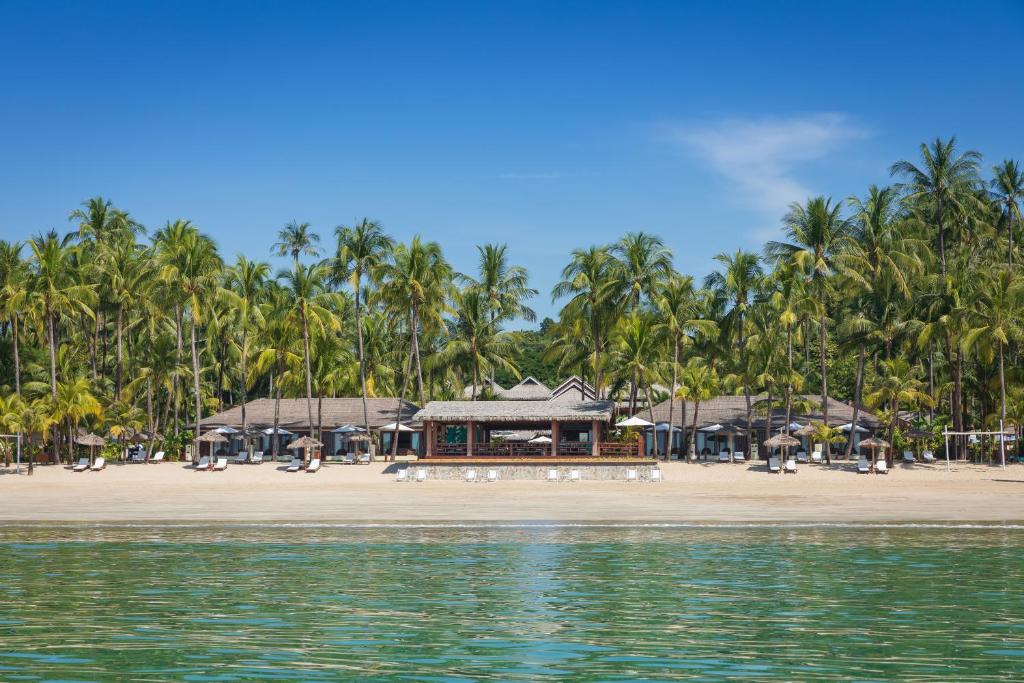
<point>313,465</point>
<point>99,464</point>
<point>349,459</point>
<point>773,464</point>
<point>863,467</point>
<point>364,459</point>
<point>257,458</point>
<point>203,464</point>
<point>220,465</point>
<point>908,456</point>
<point>242,458</point>
<point>816,456</point>
<point>801,456</point>
<point>791,465</point>
<point>294,466</point>
<point>82,466</point>
<point>739,456</point>
<point>881,467</point>
<point>723,457</point>
<point>157,457</point>
<point>928,456</point>
<point>402,475</point>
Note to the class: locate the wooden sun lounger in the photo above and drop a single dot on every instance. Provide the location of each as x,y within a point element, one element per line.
<point>773,465</point>
<point>157,457</point>
<point>257,458</point>
<point>881,467</point>
<point>790,467</point>
<point>99,464</point>
<point>203,464</point>
<point>403,475</point>
<point>294,466</point>
<point>242,457</point>
<point>82,466</point>
<point>220,465</point>
<point>313,465</point>
<point>863,466</point>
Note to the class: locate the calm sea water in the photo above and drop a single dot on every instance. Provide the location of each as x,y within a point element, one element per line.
<point>315,603</point>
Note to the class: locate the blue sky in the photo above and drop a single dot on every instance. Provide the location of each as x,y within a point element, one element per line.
<point>545,125</point>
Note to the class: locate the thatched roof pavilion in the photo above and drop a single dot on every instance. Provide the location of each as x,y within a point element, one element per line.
<point>294,416</point>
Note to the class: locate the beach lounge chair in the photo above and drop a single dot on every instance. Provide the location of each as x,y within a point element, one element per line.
<point>402,475</point>
<point>470,475</point>
<point>257,458</point>
<point>863,466</point>
<point>801,456</point>
<point>157,457</point>
<point>313,465</point>
<point>295,465</point>
<point>82,466</point>
<point>574,475</point>
<point>908,456</point>
<point>881,467</point>
<point>790,467</point>
<point>137,456</point>
<point>739,456</point>
<point>928,456</point>
<point>220,465</point>
<point>203,464</point>
<point>364,459</point>
<point>773,464</point>
<point>349,459</point>
<point>421,474</point>
<point>98,465</point>
<point>631,475</point>
<point>552,475</point>
<point>242,457</point>
<point>492,475</point>
<point>723,457</point>
<point>655,475</point>
<point>816,456</point>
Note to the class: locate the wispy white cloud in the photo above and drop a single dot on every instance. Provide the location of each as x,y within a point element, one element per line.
<point>763,156</point>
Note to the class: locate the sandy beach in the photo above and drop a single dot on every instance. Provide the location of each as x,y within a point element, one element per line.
<point>690,493</point>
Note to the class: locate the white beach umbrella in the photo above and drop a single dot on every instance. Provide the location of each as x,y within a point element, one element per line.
<point>849,427</point>
<point>712,428</point>
<point>635,422</point>
<point>793,426</point>
<point>269,431</point>
<point>226,430</point>
<point>541,439</point>
<point>663,427</point>
<point>390,427</point>
<point>348,429</point>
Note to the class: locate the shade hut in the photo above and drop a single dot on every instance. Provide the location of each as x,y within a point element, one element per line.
<point>782,441</point>
<point>92,441</point>
<point>212,438</point>
<point>875,443</point>
<point>306,443</point>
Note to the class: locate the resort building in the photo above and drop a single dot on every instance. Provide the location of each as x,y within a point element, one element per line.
<point>340,424</point>
<point>722,423</point>
<point>532,389</point>
<point>521,429</point>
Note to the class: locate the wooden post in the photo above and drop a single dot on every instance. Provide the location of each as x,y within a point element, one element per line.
<point>470,428</point>
<point>428,434</point>
<point>595,438</point>
<point>555,437</point>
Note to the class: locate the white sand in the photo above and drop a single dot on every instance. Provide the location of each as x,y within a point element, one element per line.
<point>690,493</point>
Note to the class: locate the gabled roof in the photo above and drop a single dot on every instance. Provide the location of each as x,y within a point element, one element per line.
<point>484,383</point>
<point>540,412</point>
<point>732,411</point>
<point>530,389</point>
<point>573,389</point>
<point>336,412</point>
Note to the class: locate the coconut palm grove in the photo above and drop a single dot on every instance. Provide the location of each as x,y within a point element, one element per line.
<point>907,300</point>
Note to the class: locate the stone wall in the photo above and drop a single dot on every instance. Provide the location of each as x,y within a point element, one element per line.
<point>587,472</point>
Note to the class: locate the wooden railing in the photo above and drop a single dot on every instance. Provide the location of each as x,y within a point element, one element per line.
<point>520,449</point>
<point>619,450</point>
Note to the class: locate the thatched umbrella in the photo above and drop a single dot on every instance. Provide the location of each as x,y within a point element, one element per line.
<point>305,443</point>
<point>874,443</point>
<point>783,441</point>
<point>92,441</point>
<point>212,438</point>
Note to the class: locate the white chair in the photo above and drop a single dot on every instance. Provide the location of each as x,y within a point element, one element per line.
<point>313,465</point>
<point>421,474</point>
<point>98,465</point>
<point>816,456</point>
<point>790,465</point>
<point>82,466</point>
<point>257,458</point>
<point>157,457</point>
<point>294,466</point>
<point>470,475</point>
<point>364,459</point>
<point>723,457</point>
<point>492,475</point>
<point>203,464</point>
<point>138,456</point>
<point>739,456</point>
<point>631,475</point>
<point>801,456</point>
<point>220,465</point>
<point>552,475</point>
<point>242,457</point>
<point>574,475</point>
<point>928,456</point>
<point>403,475</point>
<point>908,456</point>
<point>655,475</point>
<point>773,464</point>
<point>349,459</point>
<point>863,466</point>
<point>881,467</point>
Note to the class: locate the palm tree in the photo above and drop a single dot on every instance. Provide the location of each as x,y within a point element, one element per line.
<point>277,354</point>
<point>474,339</point>
<point>1008,190</point>
<point>698,383</point>
<point>638,353</point>
<point>818,233</point>
<point>735,285</point>
<point>73,403</point>
<point>995,321</point>
<point>945,181</point>
<point>296,239</point>
<point>246,289</point>
<point>897,384</point>
<point>591,282</point>
<point>129,277</point>
<point>310,300</point>
<point>362,249</point>
<point>14,299</point>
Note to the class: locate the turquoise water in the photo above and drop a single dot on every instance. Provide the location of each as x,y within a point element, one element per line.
<point>311,603</point>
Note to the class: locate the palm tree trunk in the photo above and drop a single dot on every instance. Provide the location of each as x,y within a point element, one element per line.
<point>177,362</point>
<point>51,333</point>
<point>17,356</point>
<point>693,425</point>
<point>309,379</point>
<point>401,399</point>
<point>275,438</point>
<point>416,352</point>
<point>824,371</point>
<point>149,404</point>
<point>245,377</point>
<point>1002,404</point>
<point>858,388</point>
<point>362,355</point>
<point>672,395</point>
<point>654,430</point>
<point>195,384</point>
<point>120,351</point>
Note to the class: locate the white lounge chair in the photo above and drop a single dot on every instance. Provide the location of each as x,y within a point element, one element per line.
<point>908,456</point>
<point>349,459</point>
<point>220,465</point>
<point>816,456</point>
<point>157,457</point>
<point>470,475</point>
<point>403,475</point>
<point>492,475</point>
<point>203,464</point>
<point>863,466</point>
<point>574,475</point>
<point>137,456</point>
<point>364,459</point>
<point>421,474</point>
<point>881,467</point>
<point>801,456</point>
<point>928,456</point>
<point>819,448</point>
<point>552,475</point>
<point>313,465</point>
<point>242,457</point>
<point>257,458</point>
<point>631,475</point>
<point>655,475</point>
<point>723,457</point>
<point>790,466</point>
<point>82,466</point>
<point>773,464</point>
<point>739,456</point>
<point>98,465</point>
<point>294,466</point>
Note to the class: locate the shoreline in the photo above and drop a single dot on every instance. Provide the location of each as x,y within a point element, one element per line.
<point>363,495</point>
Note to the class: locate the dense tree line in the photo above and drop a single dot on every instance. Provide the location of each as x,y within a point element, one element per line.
<point>908,298</point>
